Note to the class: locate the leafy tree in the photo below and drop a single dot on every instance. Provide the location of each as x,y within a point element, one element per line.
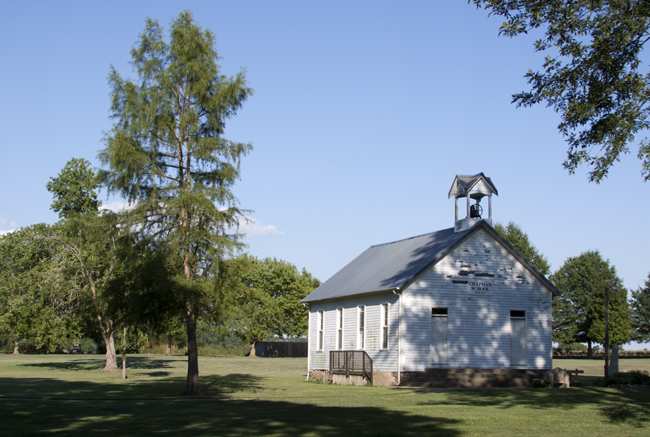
<point>640,305</point>
<point>89,240</point>
<point>34,296</point>
<point>143,293</point>
<point>74,189</point>
<point>593,75</point>
<point>578,314</point>
<point>266,299</point>
<point>519,240</point>
<point>167,152</point>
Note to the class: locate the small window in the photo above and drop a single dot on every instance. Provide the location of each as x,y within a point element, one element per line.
<point>438,311</point>
<point>517,314</point>
<point>320,330</point>
<point>339,329</point>
<point>361,335</point>
<point>384,325</point>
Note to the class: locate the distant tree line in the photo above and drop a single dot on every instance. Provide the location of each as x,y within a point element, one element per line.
<point>87,277</point>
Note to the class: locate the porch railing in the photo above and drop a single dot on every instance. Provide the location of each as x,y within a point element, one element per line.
<point>351,363</point>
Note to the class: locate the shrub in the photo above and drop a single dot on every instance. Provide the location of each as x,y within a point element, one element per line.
<point>88,345</point>
<point>540,383</point>
<point>633,377</point>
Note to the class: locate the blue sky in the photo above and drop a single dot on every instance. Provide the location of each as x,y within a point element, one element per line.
<point>363,112</point>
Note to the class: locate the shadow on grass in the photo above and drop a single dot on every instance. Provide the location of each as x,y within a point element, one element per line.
<point>212,386</point>
<point>223,418</point>
<point>137,363</point>
<point>156,407</point>
<point>618,406</point>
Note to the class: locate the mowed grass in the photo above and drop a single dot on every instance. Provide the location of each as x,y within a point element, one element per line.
<point>66,395</point>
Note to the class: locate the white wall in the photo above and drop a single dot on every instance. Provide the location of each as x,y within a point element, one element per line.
<point>479,320</point>
<point>385,359</point>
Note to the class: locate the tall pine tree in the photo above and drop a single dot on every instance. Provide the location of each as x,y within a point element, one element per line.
<point>167,153</point>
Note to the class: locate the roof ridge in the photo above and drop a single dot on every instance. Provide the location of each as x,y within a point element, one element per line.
<point>411,238</point>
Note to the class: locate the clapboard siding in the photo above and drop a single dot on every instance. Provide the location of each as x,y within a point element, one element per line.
<point>385,359</point>
<point>478,315</point>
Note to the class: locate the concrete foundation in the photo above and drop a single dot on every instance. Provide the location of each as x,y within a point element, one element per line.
<point>343,379</point>
<point>380,379</point>
<point>443,378</point>
<point>471,378</point>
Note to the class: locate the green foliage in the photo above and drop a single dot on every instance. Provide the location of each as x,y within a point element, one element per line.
<point>88,242</point>
<point>632,377</point>
<point>567,348</point>
<point>640,306</point>
<point>593,75</point>
<point>143,292</point>
<point>74,189</point>
<point>264,297</point>
<point>578,314</point>
<point>166,150</point>
<point>519,240</point>
<point>166,153</point>
<point>134,342</point>
<point>87,345</point>
<point>35,298</point>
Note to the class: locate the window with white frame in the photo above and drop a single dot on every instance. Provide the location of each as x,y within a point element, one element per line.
<point>361,323</point>
<point>320,330</point>
<point>384,325</point>
<point>339,328</point>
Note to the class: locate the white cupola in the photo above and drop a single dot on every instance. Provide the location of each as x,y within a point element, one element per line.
<point>473,188</point>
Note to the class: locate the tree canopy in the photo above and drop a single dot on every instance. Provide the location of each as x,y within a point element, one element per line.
<point>74,189</point>
<point>167,153</point>
<point>88,243</point>
<point>578,314</point>
<point>520,241</point>
<point>640,306</point>
<point>263,298</point>
<point>593,75</point>
<point>35,297</point>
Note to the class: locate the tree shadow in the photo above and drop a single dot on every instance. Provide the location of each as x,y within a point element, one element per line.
<point>631,406</point>
<point>136,363</point>
<point>218,417</point>
<point>212,386</point>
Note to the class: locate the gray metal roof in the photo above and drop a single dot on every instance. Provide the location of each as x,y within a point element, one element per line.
<point>387,266</point>
<point>392,265</point>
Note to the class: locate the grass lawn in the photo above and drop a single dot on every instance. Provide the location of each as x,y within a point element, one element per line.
<point>67,394</point>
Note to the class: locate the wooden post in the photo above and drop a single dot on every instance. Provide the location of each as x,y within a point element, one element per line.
<point>490,208</point>
<point>606,332</point>
<point>124,355</point>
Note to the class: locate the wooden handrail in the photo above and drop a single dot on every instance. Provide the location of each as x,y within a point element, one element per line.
<point>352,362</point>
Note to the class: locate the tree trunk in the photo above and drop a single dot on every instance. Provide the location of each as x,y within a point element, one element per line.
<point>192,384</point>
<point>168,349</point>
<point>16,344</point>
<point>590,351</point>
<point>109,341</point>
<point>252,352</point>
<point>613,362</point>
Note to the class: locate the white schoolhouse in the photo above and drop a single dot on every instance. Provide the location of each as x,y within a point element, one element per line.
<point>457,307</point>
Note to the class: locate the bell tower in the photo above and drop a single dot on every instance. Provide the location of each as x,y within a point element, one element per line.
<point>474,188</point>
